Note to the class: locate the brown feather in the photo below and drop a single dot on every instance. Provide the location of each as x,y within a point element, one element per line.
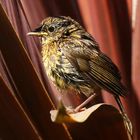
<point>98,67</point>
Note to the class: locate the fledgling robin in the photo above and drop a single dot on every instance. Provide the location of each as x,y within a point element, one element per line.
<point>72,59</point>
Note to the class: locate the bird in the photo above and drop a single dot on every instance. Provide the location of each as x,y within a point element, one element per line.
<point>73,60</point>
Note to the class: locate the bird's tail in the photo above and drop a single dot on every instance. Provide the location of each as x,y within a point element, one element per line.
<point>127,121</point>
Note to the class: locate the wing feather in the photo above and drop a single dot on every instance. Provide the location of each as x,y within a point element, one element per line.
<point>98,68</point>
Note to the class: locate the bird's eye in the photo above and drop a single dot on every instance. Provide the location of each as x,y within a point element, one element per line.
<point>51,29</point>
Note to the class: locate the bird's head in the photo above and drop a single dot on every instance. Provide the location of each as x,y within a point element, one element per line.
<point>54,28</point>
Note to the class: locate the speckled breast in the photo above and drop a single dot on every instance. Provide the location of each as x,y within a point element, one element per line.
<point>61,72</point>
<point>57,67</point>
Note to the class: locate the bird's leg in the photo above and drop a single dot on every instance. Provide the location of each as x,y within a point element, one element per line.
<point>78,108</point>
<point>125,117</point>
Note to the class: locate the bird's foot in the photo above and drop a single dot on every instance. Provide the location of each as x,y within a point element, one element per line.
<point>71,110</point>
<point>81,107</point>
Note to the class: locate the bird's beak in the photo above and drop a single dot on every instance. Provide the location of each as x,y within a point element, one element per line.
<point>34,33</point>
<point>37,32</point>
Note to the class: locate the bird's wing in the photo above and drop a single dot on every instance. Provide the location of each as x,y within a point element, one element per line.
<point>97,67</point>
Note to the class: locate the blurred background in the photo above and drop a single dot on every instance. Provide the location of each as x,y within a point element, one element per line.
<point>115,24</point>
